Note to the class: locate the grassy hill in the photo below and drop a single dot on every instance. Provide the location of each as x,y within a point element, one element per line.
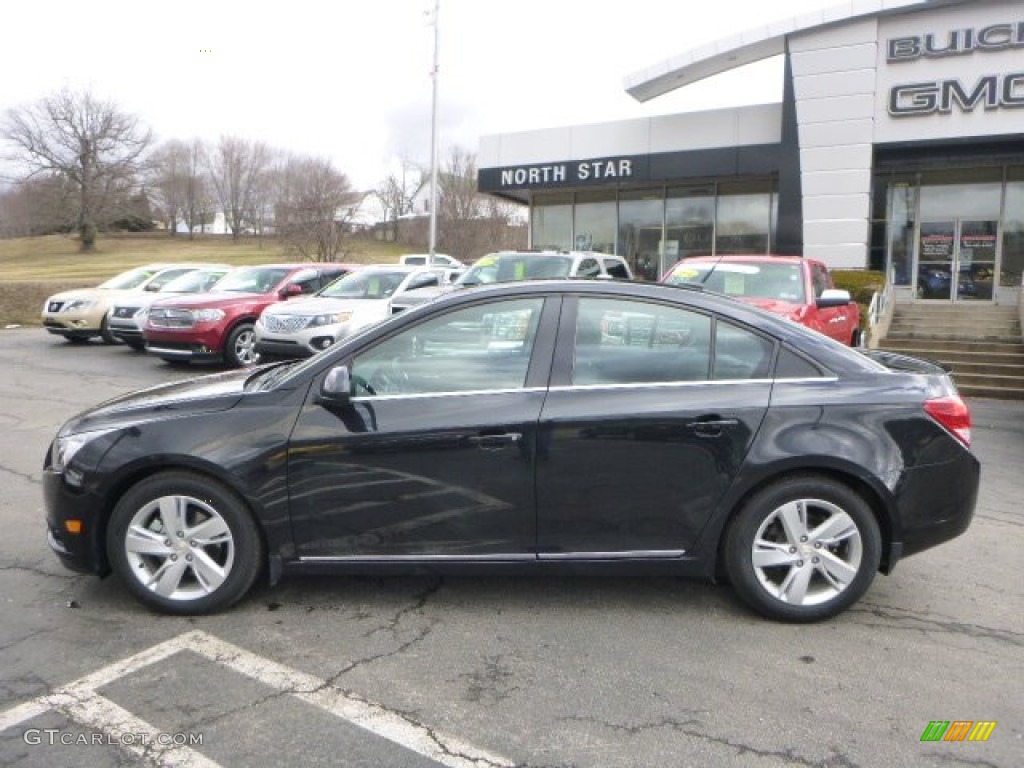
<point>32,268</point>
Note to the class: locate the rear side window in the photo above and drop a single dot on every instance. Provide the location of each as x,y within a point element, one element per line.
<point>616,269</point>
<point>589,268</point>
<point>740,353</point>
<point>793,366</point>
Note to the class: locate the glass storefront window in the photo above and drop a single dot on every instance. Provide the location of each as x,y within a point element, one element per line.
<point>744,217</point>
<point>902,205</point>
<point>961,194</point>
<point>594,225</point>
<point>551,221</point>
<point>1013,230</point>
<point>689,223</point>
<point>640,222</point>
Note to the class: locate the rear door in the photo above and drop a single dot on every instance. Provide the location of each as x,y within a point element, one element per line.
<point>651,412</point>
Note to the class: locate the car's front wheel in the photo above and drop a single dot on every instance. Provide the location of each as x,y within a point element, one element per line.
<point>105,333</point>
<point>240,349</point>
<point>803,549</point>
<point>184,543</point>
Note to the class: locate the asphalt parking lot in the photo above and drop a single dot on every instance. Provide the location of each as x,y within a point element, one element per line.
<point>492,671</point>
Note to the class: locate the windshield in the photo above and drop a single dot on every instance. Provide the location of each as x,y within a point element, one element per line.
<point>133,278</point>
<point>253,279</point>
<point>365,284</point>
<point>197,281</point>
<point>502,267</point>
<point>756,280</point>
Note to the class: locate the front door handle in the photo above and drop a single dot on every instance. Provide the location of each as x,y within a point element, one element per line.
<point>495,442</point>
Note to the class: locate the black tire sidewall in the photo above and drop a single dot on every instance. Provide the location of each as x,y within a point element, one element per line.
<point>248,546</point>
<point>739,542</point>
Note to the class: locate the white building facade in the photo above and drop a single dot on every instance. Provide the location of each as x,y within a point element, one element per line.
<point>898,145</point>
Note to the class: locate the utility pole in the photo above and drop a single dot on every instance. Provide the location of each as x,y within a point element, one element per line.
<point>433,138</point>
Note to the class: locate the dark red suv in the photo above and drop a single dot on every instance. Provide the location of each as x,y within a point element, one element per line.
<point>219,325</point>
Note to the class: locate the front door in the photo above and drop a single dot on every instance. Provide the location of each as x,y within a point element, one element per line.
<point>434,455</point>
<point>956,259</point>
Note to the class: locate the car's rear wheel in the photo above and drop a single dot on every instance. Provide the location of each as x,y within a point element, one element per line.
<point>803,549</point>
<point>138,346</point>
<point>857,339</point>
<point>240,349</point>
<point>184,543</point>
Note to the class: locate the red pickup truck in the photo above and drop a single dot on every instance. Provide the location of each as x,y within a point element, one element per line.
<point>794,287</point>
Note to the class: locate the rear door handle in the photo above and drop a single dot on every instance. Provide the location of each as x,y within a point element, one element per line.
<point>495,442</point>
<point>712,427</point>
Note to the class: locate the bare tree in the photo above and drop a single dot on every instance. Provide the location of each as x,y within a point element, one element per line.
<point>315,207</point>
<point>471,224</point>
<point>398,192</point>
<point>89,142</point>
<point>168,174</point>
<point>37,206</point>
<point>236,169</point>
<point>198,204</point>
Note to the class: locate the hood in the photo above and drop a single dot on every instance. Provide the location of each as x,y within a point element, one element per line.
<point>420,295</point>
<point>775,306</point>
<point>324,305</point>
<point>98,294</point>
<point>205,394</point>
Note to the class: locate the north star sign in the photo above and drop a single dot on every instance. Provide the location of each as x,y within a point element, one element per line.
<point>998,91</point>
<point>574,172</point>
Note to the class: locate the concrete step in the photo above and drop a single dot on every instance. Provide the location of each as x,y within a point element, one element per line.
<point>936,345</point>
<point>965,332</point>
<point>961,367</point>
<point>998,393</point>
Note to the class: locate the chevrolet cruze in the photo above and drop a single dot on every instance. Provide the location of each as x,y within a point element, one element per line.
<point>541,425</point>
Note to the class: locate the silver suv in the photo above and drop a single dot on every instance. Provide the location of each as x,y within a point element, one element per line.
<point>303,327</point>
<point>503,266</point>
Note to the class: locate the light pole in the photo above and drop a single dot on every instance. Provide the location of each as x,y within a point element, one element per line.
<point>433,138</point>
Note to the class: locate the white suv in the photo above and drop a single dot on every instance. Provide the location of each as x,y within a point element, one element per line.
<point>303,327</point>
<point>503,266</point>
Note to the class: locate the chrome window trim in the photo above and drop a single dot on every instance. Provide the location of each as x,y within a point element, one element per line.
<point>451,393</point>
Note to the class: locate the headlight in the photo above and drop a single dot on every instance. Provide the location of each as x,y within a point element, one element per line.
<point>77,304</point>
<point>207,315</point>
<point>65,448</point>
<point>142,314</point>
<point>332,319</point>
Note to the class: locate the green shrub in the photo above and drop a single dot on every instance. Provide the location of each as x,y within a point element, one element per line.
<point>862,285</point>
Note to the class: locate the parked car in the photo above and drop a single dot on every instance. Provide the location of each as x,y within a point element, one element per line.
<point>421,259</point>
<point>505,266</point>
<point>219,326</point>
<point>81,314</point>
<point>304,327</point>
<point>500,427</point>
<point>792,286</point>
<point>126,318</point>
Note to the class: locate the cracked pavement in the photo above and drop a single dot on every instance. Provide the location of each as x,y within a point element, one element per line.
<point>545,671</point>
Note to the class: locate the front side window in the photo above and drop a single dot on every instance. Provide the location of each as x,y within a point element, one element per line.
<point>480,348</point>
<point>589,268</point>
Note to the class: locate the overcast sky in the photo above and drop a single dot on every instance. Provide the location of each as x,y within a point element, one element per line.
<point>350,79</point>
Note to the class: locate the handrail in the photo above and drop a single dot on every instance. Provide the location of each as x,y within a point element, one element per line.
<point>880,311</point>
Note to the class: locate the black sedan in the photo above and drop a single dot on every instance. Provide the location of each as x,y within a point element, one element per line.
<point>545,425</point>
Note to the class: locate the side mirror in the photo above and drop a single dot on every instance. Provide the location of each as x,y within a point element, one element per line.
<point>336,388</point>
<point>292,289</point>
<point>833,297</point>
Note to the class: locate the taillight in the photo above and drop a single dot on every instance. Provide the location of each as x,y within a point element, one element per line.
<point>952,413</point>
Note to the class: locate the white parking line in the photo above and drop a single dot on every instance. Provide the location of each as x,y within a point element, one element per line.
<point>80,702</point>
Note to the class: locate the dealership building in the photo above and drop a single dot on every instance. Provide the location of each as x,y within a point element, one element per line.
<point>898,146</point>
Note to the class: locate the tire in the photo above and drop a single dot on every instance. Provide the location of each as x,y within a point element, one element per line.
<point>77,339</point>
<point>106,335</point>
<point>240,348</point>
<point>857,339</point>
<point>184,544</point>
<point>176,362</point>
<point>137,346</point>
<point>803,549</point>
